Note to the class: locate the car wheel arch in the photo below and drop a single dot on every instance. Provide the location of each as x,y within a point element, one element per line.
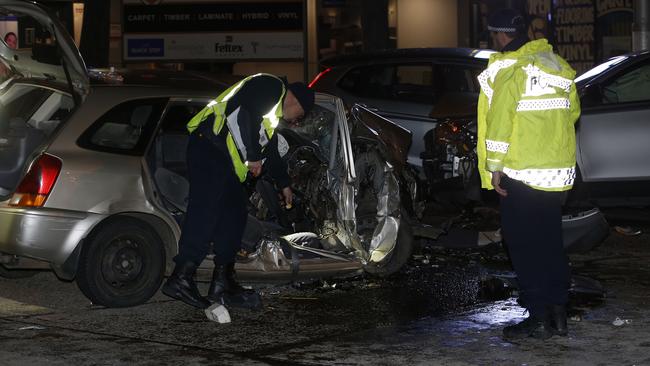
<point>122,262</point>
<point>154,223</point>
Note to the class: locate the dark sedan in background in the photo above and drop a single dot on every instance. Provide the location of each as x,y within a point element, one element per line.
<point>415,88</point>
<point>613,133</point>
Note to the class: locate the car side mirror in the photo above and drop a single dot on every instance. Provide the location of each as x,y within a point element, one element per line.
<point>591,96</point>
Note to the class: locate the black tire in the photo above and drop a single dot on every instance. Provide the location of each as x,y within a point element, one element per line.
<point>122,264</point>
<point>400,255</point>
<point>16,273</point>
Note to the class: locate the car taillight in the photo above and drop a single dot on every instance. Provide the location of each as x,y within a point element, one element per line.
<point>37,184</point>
<point>320,75</point>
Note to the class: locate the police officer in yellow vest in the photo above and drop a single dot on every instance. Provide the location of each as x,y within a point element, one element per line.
<point>526,146</point>
<point>229,139</point>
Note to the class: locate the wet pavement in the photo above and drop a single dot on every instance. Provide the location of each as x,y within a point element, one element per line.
<point>446,308</point>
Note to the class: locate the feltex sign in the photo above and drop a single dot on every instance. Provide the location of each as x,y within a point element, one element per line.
<point>213,46</point>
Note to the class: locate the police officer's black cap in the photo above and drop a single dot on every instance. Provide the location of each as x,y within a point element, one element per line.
<point>507,21</point>
<point>304,95</point>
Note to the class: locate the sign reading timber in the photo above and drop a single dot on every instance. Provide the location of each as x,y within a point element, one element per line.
<point>584,32</point>
<point>213,31</point>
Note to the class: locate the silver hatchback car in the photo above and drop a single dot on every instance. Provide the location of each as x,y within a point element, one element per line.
<point>92,177</point>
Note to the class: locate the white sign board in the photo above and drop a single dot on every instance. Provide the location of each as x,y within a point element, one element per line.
<point>213,46</point>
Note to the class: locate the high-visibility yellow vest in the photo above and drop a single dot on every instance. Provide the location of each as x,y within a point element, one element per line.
<point>527,109</point>
<point>234,141</point>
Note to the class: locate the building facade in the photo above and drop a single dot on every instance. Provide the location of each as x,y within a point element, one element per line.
<point>291,37</point>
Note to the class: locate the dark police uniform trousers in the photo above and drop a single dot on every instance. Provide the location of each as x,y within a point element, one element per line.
<point>216,211</point>
<point>531,224</point>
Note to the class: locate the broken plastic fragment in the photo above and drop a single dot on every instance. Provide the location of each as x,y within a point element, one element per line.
<point>627,230</point>
<point>32,327</point>
<point>217,313</point>
<point>618,321</point>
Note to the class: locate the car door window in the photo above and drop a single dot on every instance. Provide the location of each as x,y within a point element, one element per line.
<point>402,82</point>
<point>414,83</point>
<point>126,128</point>
<point>633,86</point>
<point>369,81</point>
<point>457,90</point>
<point>459,78</point>
<point>177,116</point>
<point>173,135</point>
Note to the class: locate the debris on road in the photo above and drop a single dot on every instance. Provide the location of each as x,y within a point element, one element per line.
<point>627,230</point>
<point>32,327</point>
<point>217,313</point>
<point>618,321</point>
<point>298,298</point>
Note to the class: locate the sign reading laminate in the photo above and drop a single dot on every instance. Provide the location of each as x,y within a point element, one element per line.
<point>214,46</point>
<point>213,17</point>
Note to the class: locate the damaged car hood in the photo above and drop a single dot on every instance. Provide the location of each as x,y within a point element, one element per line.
<point>395,139</point>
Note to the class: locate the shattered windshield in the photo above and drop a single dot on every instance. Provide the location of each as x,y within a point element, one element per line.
<point>317,127</point>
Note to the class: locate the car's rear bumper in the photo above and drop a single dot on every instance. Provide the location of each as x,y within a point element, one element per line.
<point>50,235</point>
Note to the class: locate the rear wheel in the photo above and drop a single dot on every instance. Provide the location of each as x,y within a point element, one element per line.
<point>122,265</point>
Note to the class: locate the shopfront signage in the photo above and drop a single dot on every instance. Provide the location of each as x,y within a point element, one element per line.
<point>213,17</point>
<point>213,46</point>
<point>574,33</point>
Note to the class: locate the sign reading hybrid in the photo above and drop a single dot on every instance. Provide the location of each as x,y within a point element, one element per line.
<point>213,17</point>
<point>213,46</point>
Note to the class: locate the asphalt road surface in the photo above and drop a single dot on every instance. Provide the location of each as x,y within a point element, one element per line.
<point>446,308</point>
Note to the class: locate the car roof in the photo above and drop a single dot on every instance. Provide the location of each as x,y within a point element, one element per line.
<point>162,78</point>
<point>611,66</point>
<point>480,55</point>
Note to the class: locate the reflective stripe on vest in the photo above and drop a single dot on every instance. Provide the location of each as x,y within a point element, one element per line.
<point>543,178</point>
<point>540,83</point>
<point>491,73</point>
<point>497,146</point>
<point>234,141</point>
<point>543,104</point>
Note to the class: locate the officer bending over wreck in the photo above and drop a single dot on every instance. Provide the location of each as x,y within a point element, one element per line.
<point>230,138</point>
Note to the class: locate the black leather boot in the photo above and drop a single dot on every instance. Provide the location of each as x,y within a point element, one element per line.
<point>557,319</point>
<point>225,289</point>
<point>529,327</point>
<point>180,286</point>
